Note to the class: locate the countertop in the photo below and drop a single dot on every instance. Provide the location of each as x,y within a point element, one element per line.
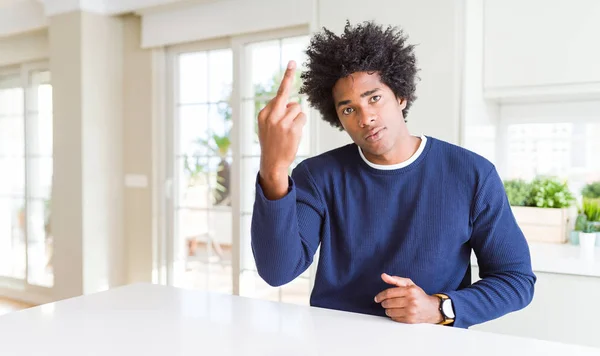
<point>561,259</point>
<point>152,320</point>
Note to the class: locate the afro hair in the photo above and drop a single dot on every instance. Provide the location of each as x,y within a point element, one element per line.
<point>366,47</point>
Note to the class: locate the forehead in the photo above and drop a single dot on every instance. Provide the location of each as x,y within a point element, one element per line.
<point>356,84</point>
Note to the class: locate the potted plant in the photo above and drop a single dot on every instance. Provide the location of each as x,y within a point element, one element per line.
<point>542,208</point>
<point>591,191</point>
<point>590,211</point>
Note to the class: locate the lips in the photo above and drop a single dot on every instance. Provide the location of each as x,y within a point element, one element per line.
<point>373,132</point>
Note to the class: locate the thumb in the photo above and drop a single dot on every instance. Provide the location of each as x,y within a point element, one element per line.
<point>397,281</point>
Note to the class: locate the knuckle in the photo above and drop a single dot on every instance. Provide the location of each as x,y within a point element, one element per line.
<point>413,291</point>
<point>412,311</point>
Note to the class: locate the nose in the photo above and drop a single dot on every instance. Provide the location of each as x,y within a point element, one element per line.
<point>366,118</point>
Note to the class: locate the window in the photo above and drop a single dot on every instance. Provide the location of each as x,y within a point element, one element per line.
<point>544,141</point>
<point>265,63</point>
<point>25,184</point>
<point>214,110</point>
<point>203,157</point>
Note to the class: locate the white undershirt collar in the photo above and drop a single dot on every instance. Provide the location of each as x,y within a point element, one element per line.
<point>397,165</point>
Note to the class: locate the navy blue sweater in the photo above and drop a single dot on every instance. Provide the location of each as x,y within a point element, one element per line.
<point>420,222</point>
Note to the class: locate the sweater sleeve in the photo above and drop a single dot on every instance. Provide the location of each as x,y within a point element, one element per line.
<point>507,280</point>
<point>285,233</point>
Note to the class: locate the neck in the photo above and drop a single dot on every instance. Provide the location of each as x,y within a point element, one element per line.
<point>405,147</point>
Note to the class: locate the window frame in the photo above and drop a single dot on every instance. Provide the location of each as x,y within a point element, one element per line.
<point>21,288</point>
<point>237,44</point>
<point>539,112</point>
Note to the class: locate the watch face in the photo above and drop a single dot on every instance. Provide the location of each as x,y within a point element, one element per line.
<point>448,309</point>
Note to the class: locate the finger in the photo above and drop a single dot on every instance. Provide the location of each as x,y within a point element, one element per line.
<point>300,120</point>
<point>400,302</point>
<point>285,87</point>
<point>398,292</point>
<point>397,281</point>
<point>298,124</point>
<point>396,313</point>
<point>292,111</point>
<point>264,113</point>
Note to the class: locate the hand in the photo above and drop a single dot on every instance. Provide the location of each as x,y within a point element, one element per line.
<point>279,131</point>
<point>408,303</point>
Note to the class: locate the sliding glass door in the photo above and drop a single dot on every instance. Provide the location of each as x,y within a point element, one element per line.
<point>26,180</point>
<point>217,90</point>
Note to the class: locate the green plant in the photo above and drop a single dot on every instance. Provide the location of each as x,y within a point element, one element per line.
<point>542,192</point>
<point>591,209</point>
<point>588,219</point>
<point>517,191</point>
<point>591,190</point>
<point>581,223</point>
<point>549,192</point>
<point>219,145</point>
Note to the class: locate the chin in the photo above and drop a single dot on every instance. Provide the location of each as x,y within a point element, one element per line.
<point>379,149</point>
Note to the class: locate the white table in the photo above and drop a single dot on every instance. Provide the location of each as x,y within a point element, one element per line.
<point>152,320</point>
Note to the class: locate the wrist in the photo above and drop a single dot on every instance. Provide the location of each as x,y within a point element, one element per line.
<point>273,174</point>
<point>436,315</point>
<point>274,183</point>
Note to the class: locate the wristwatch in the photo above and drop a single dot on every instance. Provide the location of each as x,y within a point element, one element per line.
<point>446,309</point>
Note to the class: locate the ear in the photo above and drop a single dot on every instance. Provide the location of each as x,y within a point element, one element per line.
<point>401,103</point>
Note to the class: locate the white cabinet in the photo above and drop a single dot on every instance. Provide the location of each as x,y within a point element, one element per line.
<point>564,309</point>
<point>541,48</point>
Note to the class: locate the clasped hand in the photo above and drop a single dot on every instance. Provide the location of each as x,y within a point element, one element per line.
<point>408,303</point>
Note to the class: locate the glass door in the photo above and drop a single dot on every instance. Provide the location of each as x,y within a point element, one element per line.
<point>201,210</point>
<point>218,88</point>
<point>26,163</point>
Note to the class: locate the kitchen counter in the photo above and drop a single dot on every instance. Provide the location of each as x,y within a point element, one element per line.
<point>561,259</point>
<point>152,320</point>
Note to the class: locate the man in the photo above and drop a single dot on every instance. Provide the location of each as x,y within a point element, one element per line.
<point>396,216</point>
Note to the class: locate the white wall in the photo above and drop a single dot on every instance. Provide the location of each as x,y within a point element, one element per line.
<point>18,17</point>
<point>480,116</point>
<point>24,48</point>
<point>540,43</point>
<point>222,18</point>
<point>87,198</point>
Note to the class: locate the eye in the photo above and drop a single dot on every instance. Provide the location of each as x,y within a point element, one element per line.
<point>375,98</point>
<point>347,111</point>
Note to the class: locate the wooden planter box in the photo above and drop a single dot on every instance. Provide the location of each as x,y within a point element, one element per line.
<point>544,224</point>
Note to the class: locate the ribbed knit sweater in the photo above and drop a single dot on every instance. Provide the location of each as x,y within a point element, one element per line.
<point>420,221</point>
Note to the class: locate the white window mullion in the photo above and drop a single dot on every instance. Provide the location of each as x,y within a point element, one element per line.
<point>170,171</point>
<point>26,149</point>
<point>161,187</point>
<point>236,171</point>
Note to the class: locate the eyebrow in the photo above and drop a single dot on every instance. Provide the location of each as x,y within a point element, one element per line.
<point>367,93</point>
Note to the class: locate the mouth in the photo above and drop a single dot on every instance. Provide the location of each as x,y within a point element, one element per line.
<point>375,134</point>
